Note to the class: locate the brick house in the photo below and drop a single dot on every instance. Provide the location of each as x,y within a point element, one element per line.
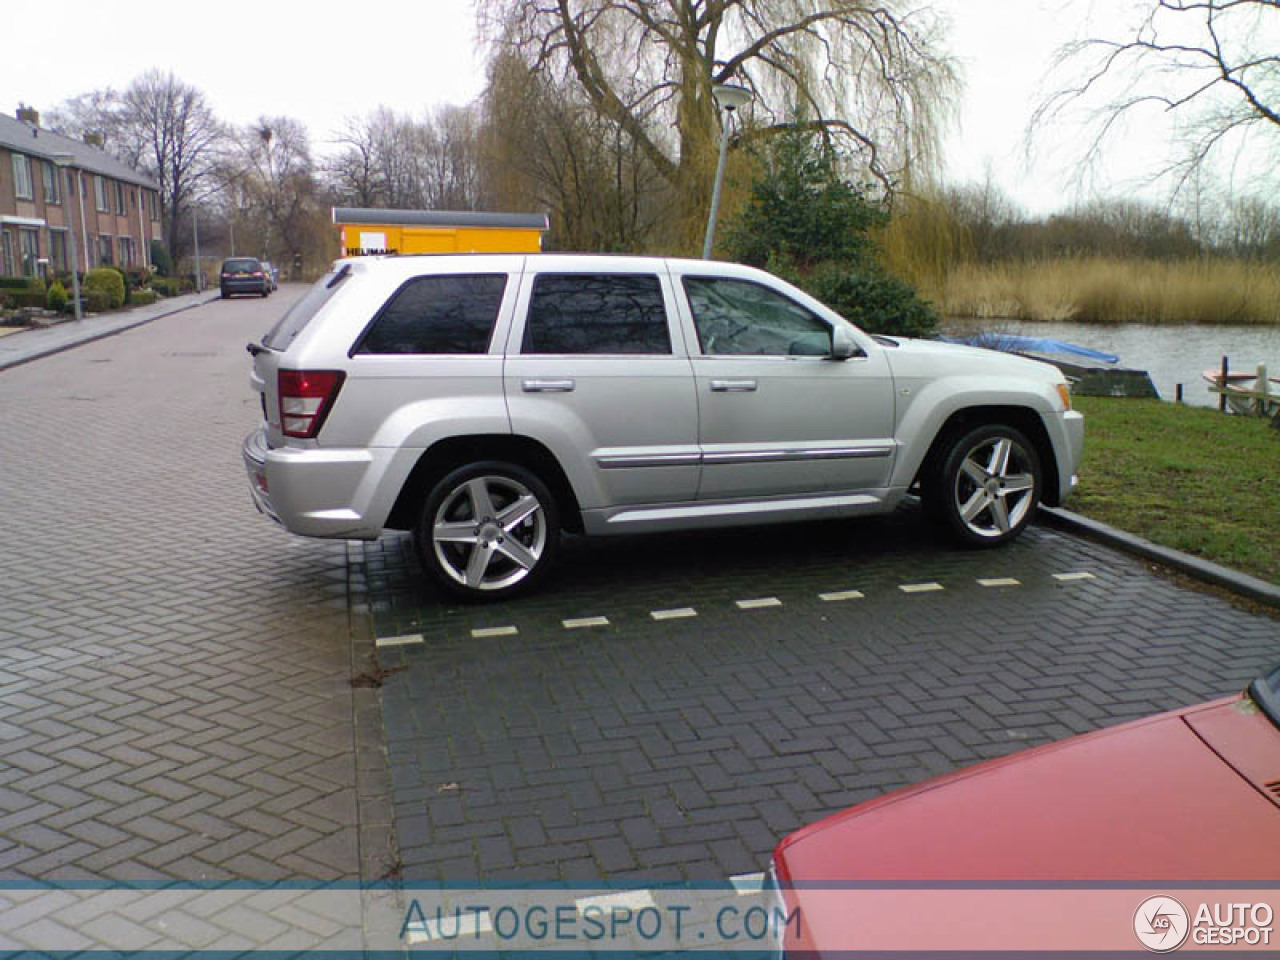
<point>55,190</point>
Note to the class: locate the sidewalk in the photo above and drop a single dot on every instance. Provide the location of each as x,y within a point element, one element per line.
<point>37,342</point>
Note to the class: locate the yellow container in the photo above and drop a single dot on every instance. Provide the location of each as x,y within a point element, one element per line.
<point>368,231</point>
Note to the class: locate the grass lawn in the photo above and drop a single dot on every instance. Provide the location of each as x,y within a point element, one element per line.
<point>1190,478</point>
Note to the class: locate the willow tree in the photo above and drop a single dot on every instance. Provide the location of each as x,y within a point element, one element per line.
<point>1208,68</point>
<point>868,76</point>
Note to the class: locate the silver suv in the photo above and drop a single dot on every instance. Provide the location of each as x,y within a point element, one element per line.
<point>486,402</point>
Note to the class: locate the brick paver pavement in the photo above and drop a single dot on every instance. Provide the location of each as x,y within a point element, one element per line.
<point>643,749</point>
<point>175,695</point>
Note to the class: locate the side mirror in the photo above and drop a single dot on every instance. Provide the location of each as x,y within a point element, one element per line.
<point>843,346</point>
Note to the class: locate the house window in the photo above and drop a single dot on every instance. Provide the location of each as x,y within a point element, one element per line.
<point>104,251</point>
<point>6,245</point>
<point>52,185</point>
<point>29,245</point>
<point>124,247</point>
<point>151,202</point>
<point>100,193</point>
<point>22,177</point>
<point>119,197</point>
<point>58,250</point>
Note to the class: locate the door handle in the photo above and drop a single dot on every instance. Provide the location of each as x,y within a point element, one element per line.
<point>733,386</point>
<point>547,386</point>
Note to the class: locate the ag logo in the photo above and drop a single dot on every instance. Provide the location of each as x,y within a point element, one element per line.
<point>1161,924</point>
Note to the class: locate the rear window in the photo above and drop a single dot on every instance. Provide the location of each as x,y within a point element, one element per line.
<point>439,314</point>
<point>597,314</point>
<point>240,266</point>
<point>299,315</point>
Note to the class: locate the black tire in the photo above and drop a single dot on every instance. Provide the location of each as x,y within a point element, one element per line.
<point>986,487</point>
<point>517,555</point>
<point>225,295</point>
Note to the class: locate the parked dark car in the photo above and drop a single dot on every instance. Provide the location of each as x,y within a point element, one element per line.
<point>273,274</point>
<point>244,275</point>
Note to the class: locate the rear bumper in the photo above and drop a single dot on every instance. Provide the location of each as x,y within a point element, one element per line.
<point>252,285</point>
<point>318,492</point>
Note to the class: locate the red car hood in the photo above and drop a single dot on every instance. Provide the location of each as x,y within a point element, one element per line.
<point>1192,795</point>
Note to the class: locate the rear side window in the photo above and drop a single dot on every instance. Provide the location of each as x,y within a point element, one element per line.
<point>447,314</point>
<point>299,315</point>
<point>597,313</point>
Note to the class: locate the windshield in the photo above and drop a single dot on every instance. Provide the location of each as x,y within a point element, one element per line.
<point>1265,691</point>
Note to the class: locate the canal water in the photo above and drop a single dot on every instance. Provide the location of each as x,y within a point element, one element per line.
<point>1171,354</point>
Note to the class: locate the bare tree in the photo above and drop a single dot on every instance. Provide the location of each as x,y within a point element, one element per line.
<point>544,147</point>
<point>1210,66</point>
<point>389,160</point>
<point>89,115</point>
<point>868,74</point>
<point>162,127</point>
<point>277,182</point>
<point>168,130</point>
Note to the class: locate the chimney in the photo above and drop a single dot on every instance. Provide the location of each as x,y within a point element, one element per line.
<point>28,114</point>
<point>94,139</point>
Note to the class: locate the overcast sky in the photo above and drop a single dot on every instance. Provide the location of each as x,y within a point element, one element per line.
<point>322,61</point>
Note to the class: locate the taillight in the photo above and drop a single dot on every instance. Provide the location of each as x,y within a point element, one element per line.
<point>306,396</point>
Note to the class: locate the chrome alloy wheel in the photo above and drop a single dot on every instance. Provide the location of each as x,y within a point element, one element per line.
<point>995,487</point>
<point>489,533</point>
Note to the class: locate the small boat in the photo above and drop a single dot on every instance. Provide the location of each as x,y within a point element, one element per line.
<point>1248,394</point>
<point>1100,378</point>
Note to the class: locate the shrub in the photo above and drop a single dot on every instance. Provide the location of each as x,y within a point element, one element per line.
<point>873,301</point>
<point>96,301</point>
<point>160,257</point>
<point>124,279</point>
<point>164,286</point>
<point>57,297</point>
<point>143,298</point>
<point>108,281</point>
<point>19,299</point>
<point>13,283</point>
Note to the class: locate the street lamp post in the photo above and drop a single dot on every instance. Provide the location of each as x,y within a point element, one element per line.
<point>729,98</point>
<point>63,162</point>
<point>195,232</point>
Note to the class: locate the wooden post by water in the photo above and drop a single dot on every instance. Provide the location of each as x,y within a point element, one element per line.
<point>1177,393</point>
<point>1222,383</point>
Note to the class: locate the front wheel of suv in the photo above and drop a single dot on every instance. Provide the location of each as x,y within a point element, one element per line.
<point>488,531</point>
<point>988,486</point>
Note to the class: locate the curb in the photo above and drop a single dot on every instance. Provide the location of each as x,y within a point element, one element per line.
<point>101,334</point>
<point>1206,570</point>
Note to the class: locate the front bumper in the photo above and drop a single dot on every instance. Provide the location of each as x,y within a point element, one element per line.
<point>1073,435</point>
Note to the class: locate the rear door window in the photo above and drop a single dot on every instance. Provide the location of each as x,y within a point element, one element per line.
<point>437,314</point>
<point>579,313</point>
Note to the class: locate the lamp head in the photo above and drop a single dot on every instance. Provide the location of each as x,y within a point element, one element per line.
<point>730,96</point>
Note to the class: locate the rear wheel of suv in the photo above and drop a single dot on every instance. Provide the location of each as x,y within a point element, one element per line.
<point>488,531</point>
<point>987,487</point>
